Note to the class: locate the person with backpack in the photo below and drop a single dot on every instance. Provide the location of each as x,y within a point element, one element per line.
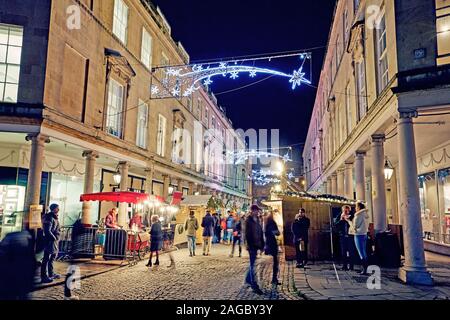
<point>230,227</point>
<point>237,236</point>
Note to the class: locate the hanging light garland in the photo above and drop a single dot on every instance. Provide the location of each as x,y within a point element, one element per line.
<point>183,81</point>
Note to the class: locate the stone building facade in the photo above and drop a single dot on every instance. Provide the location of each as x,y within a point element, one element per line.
<point>75,109</point>
<point>383,103</point>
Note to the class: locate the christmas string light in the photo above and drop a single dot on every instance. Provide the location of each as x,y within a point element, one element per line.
<point>185,80</point>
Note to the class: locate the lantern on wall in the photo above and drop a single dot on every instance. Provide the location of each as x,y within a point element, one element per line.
<point>388,170</point>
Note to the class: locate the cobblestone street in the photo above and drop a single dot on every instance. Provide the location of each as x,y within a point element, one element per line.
<point>198,278</point>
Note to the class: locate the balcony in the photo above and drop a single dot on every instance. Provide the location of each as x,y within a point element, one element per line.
<point>25,110</point>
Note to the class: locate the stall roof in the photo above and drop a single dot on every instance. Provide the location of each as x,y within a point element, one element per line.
<point>195,200</point>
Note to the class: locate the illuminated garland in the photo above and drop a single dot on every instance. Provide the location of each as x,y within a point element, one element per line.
<point>320,197</point>
<point>183,81</point>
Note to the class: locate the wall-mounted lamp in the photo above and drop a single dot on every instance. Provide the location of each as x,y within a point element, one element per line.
<point>388,170</point>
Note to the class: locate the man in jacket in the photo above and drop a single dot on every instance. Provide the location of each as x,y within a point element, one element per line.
<point>300,229</point>
<point>51,237</point>
<point>346,240</point>
<point>191,227</point>
<point>208,232</point>
<point>254,237</point>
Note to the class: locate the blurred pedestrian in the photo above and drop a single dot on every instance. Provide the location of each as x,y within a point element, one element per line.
<point>17,266</point>
<point>217,229</point>
<point>223,227</point>
<point>208,232</point>
<point>51,229</point>
<point>300,229</point>
<point>156,240</point>
<point>136,222</point>
<point>191,227</point>
<point>271,233</point>
<point>230,222</point>
<point>237,236</point>
<point>359,227</point>
<point>255,241</point>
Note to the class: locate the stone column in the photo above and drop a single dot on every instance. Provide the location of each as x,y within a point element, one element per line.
<point>324,187</point>
<point>180,185</point>
<point>414,270</point>
<point>378,184</point>
<point>360,176</point>
<point>33,192</point>
<point>348,181</point>
<point>91,157</point>
<point>166,185</point>
<point>329,186</point>
<point>340,182</point>
<point>149,173</point>
<point>123,207</point>
<point>334,190</point>
<point>191,188</point>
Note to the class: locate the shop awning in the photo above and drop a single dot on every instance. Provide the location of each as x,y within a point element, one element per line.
<point>125,196</point>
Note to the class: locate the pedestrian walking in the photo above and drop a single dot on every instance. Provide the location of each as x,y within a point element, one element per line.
<point>191,227</point>
<point>223,227</point>
<point>217,229</point>
<point>237,236</point>
<point>156,240</point>
<point>359,227</point>
<point>346,240</point>
<point>255,241</point>
<point>230,226</point>
<point>51,229</point>
<point>208,232</point>
<point>300,229</point>
<point>271,233</point>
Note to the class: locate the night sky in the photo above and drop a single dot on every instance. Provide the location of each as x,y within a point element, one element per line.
<point>214,29</point>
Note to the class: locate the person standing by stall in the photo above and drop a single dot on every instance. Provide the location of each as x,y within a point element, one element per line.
<point>136,221</point>
<point>300,229</point>
<point>110,220</point>
<point>254,237</point>
<point>156,240</point>
<point>346,240</point>
<point>191,227</point>
<point>359,226</point>
<point>208,232</point>
<point>52,232</point>
<point>237,236</point>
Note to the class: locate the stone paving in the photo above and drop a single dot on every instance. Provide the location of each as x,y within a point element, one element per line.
<point>215,277</point>
<point>320,282</point>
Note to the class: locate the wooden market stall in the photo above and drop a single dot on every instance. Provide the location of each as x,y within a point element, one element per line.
<point>321,211</point>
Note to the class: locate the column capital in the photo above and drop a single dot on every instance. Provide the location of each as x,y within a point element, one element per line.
<point>348,164</point>
<point>378,138</point>
<point>360,154</point>
<point>334,175</point>
<point>37,137</point>
<point>124,164</point>
<point>340,170</point>
<point>90,154</point>
<point>408,114</point>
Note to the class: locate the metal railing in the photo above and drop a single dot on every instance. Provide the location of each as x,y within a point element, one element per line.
<point>77,242</point>
<point>443,238</point>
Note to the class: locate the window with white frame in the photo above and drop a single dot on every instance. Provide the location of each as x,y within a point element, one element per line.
<point>120,20</point>
<point>164,62</point>
<point>213,122</point>
<point>11,39</point>
<point>161,136</point>
<point>146,50</point>
<point>114,120</point>
<point>443,31</point>
<point>361,91</point>
<point>142,125</point>
<point>348,106</point>
<point>381,55</point>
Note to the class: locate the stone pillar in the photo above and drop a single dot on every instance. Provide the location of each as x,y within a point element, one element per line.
<point>33,193</point>
<point>348,181</point>
<point>414,270</point>
<point>123,207</point>
<point>324,187</point>
<point>340,182</point>
<point>360,176</point>
<point>91,157</point>
<point>329,186</point>
<point>191,188</point>
<point>378,184</point>
<point>166,185</point>
<point>149,173</point>
<point>180,185</point>
<point>334,184</point>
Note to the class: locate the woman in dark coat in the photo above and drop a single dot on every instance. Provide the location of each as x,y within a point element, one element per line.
<point>271,232</point>
<point>156,240</point>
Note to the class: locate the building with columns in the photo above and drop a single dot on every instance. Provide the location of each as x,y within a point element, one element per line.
<point>383,102</point>
<point>75,111</point>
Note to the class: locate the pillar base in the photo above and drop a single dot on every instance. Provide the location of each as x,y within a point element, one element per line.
<point>418,277</point>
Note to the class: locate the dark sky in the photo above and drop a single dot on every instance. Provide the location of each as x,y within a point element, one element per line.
<point>211,29</point>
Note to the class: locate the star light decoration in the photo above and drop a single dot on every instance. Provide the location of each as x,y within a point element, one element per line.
<point>186,80</point>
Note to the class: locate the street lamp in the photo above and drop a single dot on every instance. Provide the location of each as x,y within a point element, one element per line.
<point>117,177</point>
<point>388,170</point>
